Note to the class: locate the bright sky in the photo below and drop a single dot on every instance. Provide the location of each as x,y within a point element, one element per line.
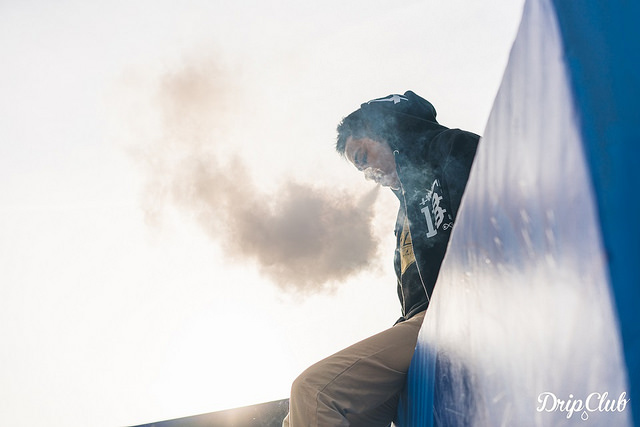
<point>153,153</point>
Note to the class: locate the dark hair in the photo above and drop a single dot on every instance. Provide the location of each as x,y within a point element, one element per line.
<point>351,126</point>
<point>365,124</point>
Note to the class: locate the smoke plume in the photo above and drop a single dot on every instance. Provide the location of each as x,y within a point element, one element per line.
<point>302,237</point>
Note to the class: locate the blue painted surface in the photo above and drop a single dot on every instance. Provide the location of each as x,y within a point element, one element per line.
<point>602,43</point>
<point>538,293</point>
<point>415,407</point>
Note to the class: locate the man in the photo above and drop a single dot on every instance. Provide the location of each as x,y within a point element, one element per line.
<point>397,142</point>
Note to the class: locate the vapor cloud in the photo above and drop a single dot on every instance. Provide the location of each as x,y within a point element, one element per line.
<point>303,238</point>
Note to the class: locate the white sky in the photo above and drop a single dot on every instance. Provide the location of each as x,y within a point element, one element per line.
<point>107,318</point>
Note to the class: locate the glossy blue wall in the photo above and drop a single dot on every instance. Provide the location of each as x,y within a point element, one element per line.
<point>602,45</point>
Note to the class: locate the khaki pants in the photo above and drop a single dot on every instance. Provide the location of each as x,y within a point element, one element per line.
<point>358,386</point>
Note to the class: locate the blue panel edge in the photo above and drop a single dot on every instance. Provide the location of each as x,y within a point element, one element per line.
<point>416,403</point>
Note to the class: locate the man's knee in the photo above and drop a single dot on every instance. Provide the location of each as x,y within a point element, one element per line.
<point>306,385</point>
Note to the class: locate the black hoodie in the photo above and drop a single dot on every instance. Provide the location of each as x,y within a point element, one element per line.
<point>433,163</point>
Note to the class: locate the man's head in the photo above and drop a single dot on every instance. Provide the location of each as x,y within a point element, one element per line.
<point>375,159</point>
<point>361,142</point>
<point>369,136</point>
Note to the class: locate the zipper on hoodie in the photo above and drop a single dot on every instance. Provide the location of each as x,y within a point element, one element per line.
<point>406,212</point>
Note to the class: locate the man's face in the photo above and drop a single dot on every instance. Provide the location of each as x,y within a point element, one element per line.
<point>375,159</point>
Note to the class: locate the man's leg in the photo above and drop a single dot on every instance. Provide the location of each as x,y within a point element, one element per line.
<point>359,385</point>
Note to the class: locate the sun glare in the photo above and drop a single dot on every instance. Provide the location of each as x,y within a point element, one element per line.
<point>244,358</point>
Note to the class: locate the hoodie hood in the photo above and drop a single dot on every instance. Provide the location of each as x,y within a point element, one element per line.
<point>405,121</point>
<point>409,104</point>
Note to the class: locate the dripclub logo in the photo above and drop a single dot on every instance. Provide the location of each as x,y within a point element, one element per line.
<point>594,402</point>
<point>434,211</point>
